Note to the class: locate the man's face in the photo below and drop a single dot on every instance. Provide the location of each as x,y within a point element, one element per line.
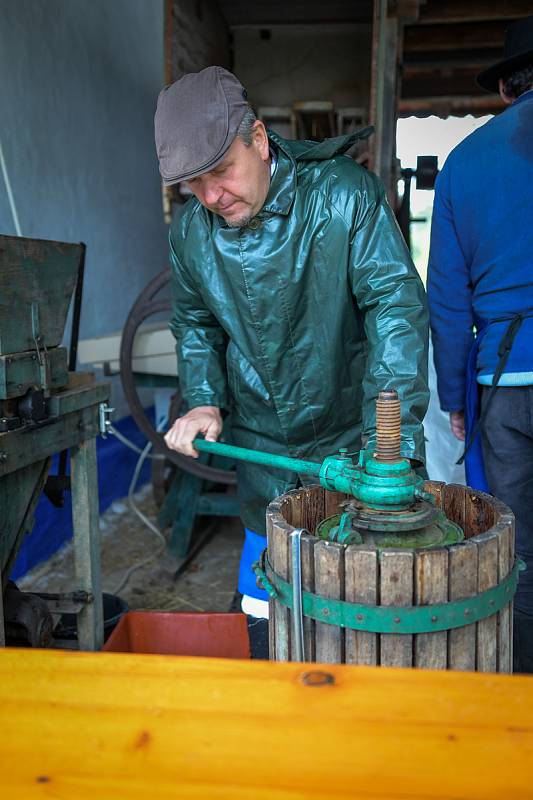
<point>237,188</point>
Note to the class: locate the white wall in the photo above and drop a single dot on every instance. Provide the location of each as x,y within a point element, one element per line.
<point>77,97</point>
<point>305,63</point>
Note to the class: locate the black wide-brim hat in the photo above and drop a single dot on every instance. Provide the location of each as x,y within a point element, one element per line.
<point>517,53</point>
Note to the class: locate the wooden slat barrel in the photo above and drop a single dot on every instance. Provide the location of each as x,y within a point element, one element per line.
<point>397,578</point>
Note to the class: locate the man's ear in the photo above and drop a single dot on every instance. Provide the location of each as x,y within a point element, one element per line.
<point>260,139</point>
<point>507,99</point>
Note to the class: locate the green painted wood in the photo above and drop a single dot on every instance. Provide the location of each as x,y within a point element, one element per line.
<point>22,371</point>
<point>84,483</point>
<point>187,497</point>
<point>25,446</point>
<point>146,380</point>
<point>19,493</point>
<point>218,504</point>
<point>39,273</point>
<point>167,512</point>
<point>78,397</point>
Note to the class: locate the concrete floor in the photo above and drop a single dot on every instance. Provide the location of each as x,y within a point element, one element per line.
<point>207,584</point>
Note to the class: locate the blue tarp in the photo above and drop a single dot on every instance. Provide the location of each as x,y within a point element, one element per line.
<point>53,526</point>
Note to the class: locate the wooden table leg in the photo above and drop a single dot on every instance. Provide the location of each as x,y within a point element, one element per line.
<point>84,482</point>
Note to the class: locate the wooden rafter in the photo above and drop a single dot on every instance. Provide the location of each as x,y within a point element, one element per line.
<point>447,105</point>
<point>454,11</point>
<point>461,36</point>
<point>446,59</point>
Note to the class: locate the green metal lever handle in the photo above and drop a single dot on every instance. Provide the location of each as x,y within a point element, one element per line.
<point>257,457</point>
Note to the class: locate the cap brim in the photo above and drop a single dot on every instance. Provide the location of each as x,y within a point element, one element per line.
<point>489,78</point>
<point>187,176</point>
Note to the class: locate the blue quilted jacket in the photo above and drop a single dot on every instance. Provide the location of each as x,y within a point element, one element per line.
<point>481,259</point>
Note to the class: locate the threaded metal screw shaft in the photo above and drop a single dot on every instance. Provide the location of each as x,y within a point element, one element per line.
<point>388,426</point>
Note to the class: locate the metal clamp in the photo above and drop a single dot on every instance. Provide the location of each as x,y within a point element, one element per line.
<point>262,581</point>
<point>105,412</point>
<point>390,619</point>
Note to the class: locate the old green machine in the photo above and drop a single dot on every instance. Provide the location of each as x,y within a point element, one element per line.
<point>388,506</point>
<point>45,409</point>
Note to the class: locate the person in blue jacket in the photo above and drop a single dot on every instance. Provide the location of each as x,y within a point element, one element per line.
<point>480,291</point>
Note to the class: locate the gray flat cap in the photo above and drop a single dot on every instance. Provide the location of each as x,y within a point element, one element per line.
<point>196,121</point>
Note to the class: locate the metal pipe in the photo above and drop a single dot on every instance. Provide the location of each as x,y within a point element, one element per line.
<point>9,192</point>
<point>297,610</point>
<point>257,457</point>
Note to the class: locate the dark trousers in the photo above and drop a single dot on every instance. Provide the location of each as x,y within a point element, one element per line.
<point>507,437</point>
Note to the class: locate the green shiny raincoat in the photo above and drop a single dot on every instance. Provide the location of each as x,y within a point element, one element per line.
<point>294,322</point>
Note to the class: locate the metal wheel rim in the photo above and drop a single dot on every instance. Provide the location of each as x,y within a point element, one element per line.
<point>143,308</point>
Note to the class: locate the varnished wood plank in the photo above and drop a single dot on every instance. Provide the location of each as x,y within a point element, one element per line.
<point>361,568</point>
<point>435,488</point>
<point>487,638</point>
<point>479,515</point>
<point>308,585</point>
<point>272,605</point>
<point>462,566</point>
<point>278,552</point>
<point>304,503</point>
<point>454,503</point>
<point>504,523</point>
<point>396,589</point>
<point>332,501</point>
<point>431,586</point>
<point>96,725</point>
<point>505,629</point>
<point>329,582</point>
<point>314,506</point>
<point>293,508</point>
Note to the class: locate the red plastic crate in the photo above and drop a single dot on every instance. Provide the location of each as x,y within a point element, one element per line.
<point>181,634</point>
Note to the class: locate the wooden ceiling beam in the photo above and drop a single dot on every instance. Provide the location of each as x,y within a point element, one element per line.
<point>446,58</point>
<point>456,11</point>
<point>439,85</point>
<point>450,72</point>
<point>450,105</point>
<point>465,36</point>
<point>407,11</point>
<point>243,13</point>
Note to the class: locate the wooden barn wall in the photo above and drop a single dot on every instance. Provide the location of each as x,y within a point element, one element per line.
<point>196,36</point>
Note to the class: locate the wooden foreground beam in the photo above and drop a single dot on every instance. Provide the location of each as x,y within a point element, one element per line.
<point>94,725</point>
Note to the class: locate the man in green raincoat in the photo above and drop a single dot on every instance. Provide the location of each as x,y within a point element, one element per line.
<point>295,297</point>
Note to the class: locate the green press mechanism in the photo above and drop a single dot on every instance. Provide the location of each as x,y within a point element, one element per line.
<point>388,505</point>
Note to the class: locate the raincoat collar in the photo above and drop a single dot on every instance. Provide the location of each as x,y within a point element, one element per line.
<point>283,184</point>
<point>329,148</point>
